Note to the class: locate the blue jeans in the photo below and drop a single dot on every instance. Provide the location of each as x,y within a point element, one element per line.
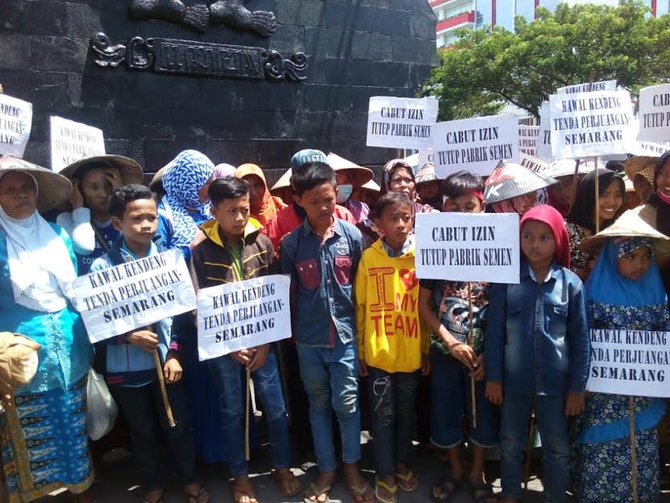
<point>452,398</point>
<point>330,377</point>
<point>553,426</point>
<point>392,399</point>
<point>228,376</point>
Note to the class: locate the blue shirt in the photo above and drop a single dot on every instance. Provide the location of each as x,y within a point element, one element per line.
<point>109,234</point>
<point>537,336</point>
<point>322,274</point>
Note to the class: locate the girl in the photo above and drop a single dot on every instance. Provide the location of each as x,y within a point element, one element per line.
<point>624,291</point>
<point>581,220</point>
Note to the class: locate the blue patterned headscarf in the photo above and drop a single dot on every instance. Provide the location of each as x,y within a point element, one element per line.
<point>185,175</point>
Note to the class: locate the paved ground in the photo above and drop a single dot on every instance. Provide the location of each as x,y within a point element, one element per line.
<point>117,481</point>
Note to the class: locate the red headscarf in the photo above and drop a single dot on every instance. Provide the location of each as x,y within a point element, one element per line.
<point>552,217</point>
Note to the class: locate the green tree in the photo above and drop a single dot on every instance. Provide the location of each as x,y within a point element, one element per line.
<point>487,68</point>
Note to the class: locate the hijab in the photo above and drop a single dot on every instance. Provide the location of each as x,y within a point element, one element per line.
<point>552,217</point>
<point>607,286</point>
<point>185,175</point>
<point>389,170</point>
<point>39,262</point>
<point>585,202</point>
<point>223,170</point>
<point>269,205</point>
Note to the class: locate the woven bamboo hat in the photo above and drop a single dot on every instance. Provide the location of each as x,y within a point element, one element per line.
<point>53,189</point>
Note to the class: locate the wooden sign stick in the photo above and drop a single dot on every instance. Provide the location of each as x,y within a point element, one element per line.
<point>472,345</point>
<point>633,450</point>
<point>247,450</point>
<point>161,382</point>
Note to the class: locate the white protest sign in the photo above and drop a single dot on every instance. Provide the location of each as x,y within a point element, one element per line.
<point>71,141</point>
<point>468,246</point>
<point>16,118</point>
<point>654,113</point>
<point>603,85</point>
<point>528,139</point>
<point>648,148</point>
<point>134,294</point>
<point>590,124</point>
<point>401,122</point>
<point>630,362</point>
<point>426,156</point>
<point>533,163</point>
<point>242,315</point>
<point>544,135</point>
<point>475,145</point>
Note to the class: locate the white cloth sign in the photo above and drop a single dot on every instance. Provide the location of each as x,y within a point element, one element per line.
<point>603,85</point>
<point>590,124</point>
<point>630,362</point>
<point>468,246</point>
<point>16,118</point>
<point>71,141</point>
<point>134,294</point>
<point>528,139</point>
<point>243,315</point>
<point>401,122</point>
<point>654,113</point>
<point>475,145</point>
<point>544,135</point>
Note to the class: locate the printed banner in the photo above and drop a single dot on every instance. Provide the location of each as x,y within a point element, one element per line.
<point>654,113</point>
<point>71,141</point>
<point>134,294</point>
<point>426,156</point>
<point>544,135</point>
<point>533,163</point>
<point>528,139</point>
<point>468,246</point>
<point>16,118</point>
<point>475,145</point>
<point>401,122</point>
<point>648,148</point>
<point>590,124</point>
<point>603,85</point>
<point>243,315</point>
<point>630,362</point>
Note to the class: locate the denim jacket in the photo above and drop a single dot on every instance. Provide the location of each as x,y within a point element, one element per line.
<point>322,275</point>
<point>537,336</point>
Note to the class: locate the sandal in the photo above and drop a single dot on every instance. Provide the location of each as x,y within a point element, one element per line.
<point>313,494</point>
<point>362,493</point>
<point>243,493</point>
<point>149,497</point>
<point>407,481</point>
<point>289,485</point>
<point>483,493</point>
<point>385,493</point>
<point>202,496</point>
<point>448,488</point>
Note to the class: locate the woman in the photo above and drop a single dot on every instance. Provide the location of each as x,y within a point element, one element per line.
<point>581,220</point>
<point>624,292</point>
<point>89,224</point>
<point>44,441</point>
<point>398,176</point>
<point>264,205</point>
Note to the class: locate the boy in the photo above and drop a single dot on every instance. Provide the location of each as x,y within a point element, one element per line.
<point>537,351</point>
<point>322,256</point>
<point>392,346</point>
<point>235,250</point>
<point>445,308</point>
<point>130,370</point>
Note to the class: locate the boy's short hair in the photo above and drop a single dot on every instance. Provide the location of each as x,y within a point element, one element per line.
<point>127,194</point>
<point>227,188</point>
<point>391,199</point>
<point>460,184</point>
<point>312,175</point>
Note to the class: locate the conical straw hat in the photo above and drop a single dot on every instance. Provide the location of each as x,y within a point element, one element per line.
<point>510,180</point>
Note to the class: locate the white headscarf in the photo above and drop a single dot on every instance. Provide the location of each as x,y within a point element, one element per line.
<point>40,267</point>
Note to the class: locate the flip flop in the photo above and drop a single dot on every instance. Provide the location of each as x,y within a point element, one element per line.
<point>362,493</point>
<point>392,490</point>
<point>289,485</point>
<point>485,493</point>
<point>408,481</point>
<point>449,487</point>
<point>197,497</point>
<point>316,494</point>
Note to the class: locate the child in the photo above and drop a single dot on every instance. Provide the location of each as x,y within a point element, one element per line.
<point>624,291</point>
<point>537,351</point>
<point>235,250</point>
<point>130,370</point>
<point>392,347</point>
<point>322,256</point>
<point>445,308</point>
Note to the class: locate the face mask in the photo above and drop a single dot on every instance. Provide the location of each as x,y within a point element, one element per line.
<point>344,192</point>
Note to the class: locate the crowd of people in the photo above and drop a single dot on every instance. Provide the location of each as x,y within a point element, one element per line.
<point>365,328</point>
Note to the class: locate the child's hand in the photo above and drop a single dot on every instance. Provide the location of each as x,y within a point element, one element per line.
<point>76,198</point>
<point>574,404</point>
<point>145,339</point>
<point>464,354</point>
<point>479,373</point>
<point>494,392</point>
<point>243,356</point>
<point>363,368</point>
<point>259,357</point>
<point>172,369</point>
<point>425,365</point>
